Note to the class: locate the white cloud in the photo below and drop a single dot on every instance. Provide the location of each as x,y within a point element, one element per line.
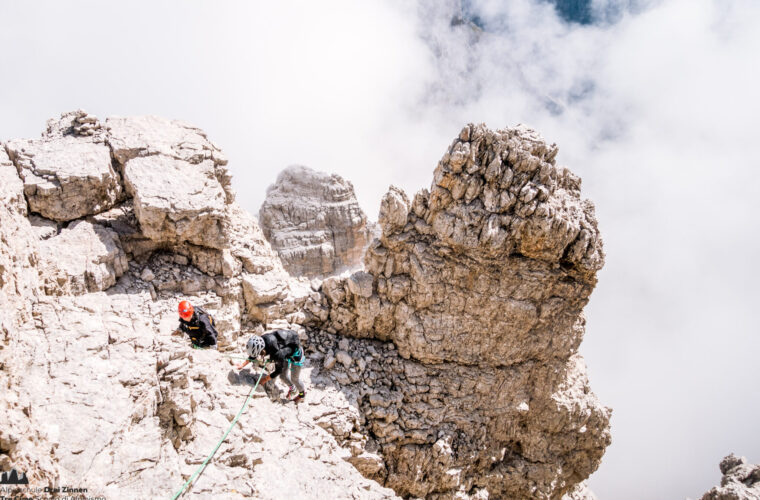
<point>658,112</point>
<point>663,141</point>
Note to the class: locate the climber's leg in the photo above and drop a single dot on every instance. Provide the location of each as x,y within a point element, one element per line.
<point>295,373</point>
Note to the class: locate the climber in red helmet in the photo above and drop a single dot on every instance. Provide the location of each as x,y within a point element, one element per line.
<point>198,324</point>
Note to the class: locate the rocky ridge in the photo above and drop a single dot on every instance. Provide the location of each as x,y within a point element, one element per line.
<point>314,222</point>
<point>741,481</point>
<point>97,393</point>
<point>446,369</point>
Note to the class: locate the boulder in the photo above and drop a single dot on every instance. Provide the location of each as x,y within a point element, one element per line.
<point>263,289</point>
<point>177,201</point>
<point>135,136</point>
<point>82,258</point>
<point>66,178</point>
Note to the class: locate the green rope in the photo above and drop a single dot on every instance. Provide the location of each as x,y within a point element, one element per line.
<point>234,357</point>
<point>205,462</point>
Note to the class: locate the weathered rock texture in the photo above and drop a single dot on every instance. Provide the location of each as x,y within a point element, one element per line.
<point>97,393</point>
<point>82,258</point>
<point>447,369</point>
<point>177,178</point>
<point>22,444</point>
<point>741,481</point>
<point>314,222</point>
<point>480,283</point>
<point>68,173</point>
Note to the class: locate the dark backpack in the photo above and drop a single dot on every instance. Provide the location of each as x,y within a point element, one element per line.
<point>287,338</point>
<point>201,310</point>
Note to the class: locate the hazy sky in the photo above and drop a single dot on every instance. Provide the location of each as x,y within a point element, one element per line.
<point>656,108</point>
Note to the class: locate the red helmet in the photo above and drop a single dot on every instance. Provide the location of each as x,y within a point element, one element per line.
<point>185,310</point>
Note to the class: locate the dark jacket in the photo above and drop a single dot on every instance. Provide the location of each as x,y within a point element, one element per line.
<point>200,328</point>
<point>281,346</point>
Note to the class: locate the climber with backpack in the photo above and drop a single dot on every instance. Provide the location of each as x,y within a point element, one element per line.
<point>198,325</point>
<point>283,347</point>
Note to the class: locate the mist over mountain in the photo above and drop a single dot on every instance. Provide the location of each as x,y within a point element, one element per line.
<point>654,105</point>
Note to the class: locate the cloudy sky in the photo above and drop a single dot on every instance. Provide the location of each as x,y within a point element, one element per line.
<point>654,104</point>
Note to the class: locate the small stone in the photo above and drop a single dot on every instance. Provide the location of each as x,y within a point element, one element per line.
<point>344,358</point>
<point>147,275</point>
<point>329,361</point>
<point>344,344</point>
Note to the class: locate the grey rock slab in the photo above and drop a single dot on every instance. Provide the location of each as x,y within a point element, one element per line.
<point>176,201</point>
<point>82,258</point>
<point>135,136</point>
<point>66,178</point>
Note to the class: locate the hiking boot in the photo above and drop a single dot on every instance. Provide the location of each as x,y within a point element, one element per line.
<point>300,397</point>
<point>291,391</point>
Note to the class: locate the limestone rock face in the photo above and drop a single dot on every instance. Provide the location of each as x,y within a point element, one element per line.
<point>108,362</point>
<point>83,257</point>
<point>314,222</point>
<point>580,492</point>
<point>66,177</point>
<point>11,186</point>
<point>132,137</point>
<point>22,444</point>
<point>461,265</point>
<point>741,481</point>
<point>176,177</point>
<point>175,205</point>
<point>100,394</point>
<point>480,283</point>
<point>446,368</point>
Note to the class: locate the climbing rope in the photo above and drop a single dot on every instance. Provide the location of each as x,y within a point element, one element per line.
<point>205,462</point>
<point>234,357</point>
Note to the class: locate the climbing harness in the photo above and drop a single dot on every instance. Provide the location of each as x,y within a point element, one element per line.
<point>298,354</point>
<point>200,470</point>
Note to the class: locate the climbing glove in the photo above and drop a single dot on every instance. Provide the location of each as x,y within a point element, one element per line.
<point>265,379</point>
